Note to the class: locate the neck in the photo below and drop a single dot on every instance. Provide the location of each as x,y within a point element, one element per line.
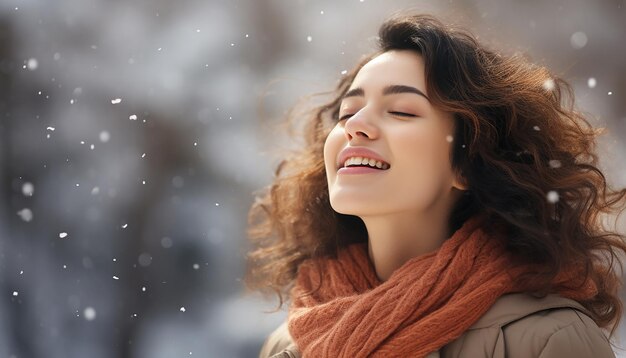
<point>395,239</point>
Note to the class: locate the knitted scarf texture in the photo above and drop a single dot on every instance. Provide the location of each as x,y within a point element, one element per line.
<point>425,304</point>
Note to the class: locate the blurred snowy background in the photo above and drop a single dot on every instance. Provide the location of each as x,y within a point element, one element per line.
<point>133,134</point>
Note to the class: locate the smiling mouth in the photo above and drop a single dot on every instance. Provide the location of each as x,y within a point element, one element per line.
<point>365,162</point>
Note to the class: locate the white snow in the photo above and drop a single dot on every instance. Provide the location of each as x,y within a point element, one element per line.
<point>591,82</point>
<point>32,64</point>
<point>25,214</point>
<point>166,242</point>
<point>62,235</point>
<point>578,40</point>
<point>105,136</point>
<point>552,196</point>
<point>89,313</point>
<point>28,189</point>
<point>144,259</point>
<point>548,84</point>
<point>554,163</point>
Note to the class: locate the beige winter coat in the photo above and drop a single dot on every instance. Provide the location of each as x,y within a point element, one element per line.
<point>516,326</point>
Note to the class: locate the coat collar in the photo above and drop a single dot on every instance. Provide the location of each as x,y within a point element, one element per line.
<point>511,307</point>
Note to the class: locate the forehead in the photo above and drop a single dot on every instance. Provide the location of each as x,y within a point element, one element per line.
<point>393,67</point>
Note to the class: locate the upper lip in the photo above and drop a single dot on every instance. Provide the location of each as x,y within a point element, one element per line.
<point>358,152</point>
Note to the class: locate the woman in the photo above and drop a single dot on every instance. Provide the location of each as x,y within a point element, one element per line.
<point>447,204</point>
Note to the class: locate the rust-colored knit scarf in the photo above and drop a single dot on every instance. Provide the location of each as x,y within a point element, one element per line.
<point>425,304</point>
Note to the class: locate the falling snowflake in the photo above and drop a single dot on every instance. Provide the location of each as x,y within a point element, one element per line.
<point>591,82</point>
<point>63,235</point>
<point>104,136</point>
<point>196,266</point>
<point>145,259</point>
<point>536,128</point>
<point>166,242</point>
<point>182,309</point>
<point>552,196</point>
<point>578,40</point>
<point>116,278</point>
<point>132,117</point>
<point>28,189</point>
<point>554,163</point>
<point>89,313</point>
<point>116,101</point>
<point>25,214</point>
<point>32,64</point>
<point>15,293</point>
<point>548,84</point>
<point>449,139</point>
<point>309,38</point>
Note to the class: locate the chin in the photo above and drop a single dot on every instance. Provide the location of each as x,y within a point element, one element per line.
<point>354,206</point>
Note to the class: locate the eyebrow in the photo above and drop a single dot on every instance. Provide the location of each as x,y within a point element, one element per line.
<point>389,90</point>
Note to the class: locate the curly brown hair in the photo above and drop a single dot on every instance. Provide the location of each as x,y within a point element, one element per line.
<point>528,157</point>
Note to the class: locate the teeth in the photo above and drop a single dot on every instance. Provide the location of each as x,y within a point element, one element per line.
<point>366,161</point>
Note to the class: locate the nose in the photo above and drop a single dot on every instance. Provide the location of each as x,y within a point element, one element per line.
<point>360,126</point>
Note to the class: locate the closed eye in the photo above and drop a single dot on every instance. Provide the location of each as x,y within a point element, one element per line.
<point>345,116</point>
<point>402,114</point>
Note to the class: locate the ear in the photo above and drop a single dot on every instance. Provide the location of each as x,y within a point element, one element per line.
<point>459,182</point>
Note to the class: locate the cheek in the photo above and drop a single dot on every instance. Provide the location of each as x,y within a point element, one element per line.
<point>332,145</point>
<point>425,163</point>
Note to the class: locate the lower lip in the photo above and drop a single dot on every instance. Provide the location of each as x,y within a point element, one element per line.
<point>358,170</point>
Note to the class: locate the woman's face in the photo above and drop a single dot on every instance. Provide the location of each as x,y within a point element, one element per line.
<point>387,119</point>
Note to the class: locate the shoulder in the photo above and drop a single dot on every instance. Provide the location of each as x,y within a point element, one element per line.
<point>522,326</point>
<point>279,344</point>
